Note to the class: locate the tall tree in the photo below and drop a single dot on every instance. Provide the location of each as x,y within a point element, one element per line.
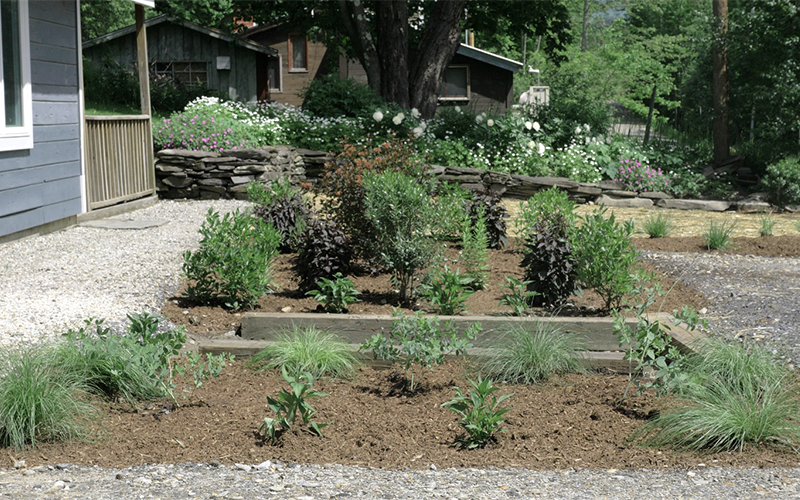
<point>405,46</point>
<point>720,63</point>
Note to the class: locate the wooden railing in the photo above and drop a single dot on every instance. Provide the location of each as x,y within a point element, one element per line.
<point>119,159</point>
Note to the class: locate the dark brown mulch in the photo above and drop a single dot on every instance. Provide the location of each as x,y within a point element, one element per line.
<point>768,246</point>
<point>572,421</point>
<point>378,297</point>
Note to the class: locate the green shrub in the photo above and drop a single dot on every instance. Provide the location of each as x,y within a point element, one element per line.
<point>333,97</point>
<point>549,263</point>
<point>718,235</point>
<point>658,226</point>
<point>733,396</point>
<point>336,294</point>
<point>39,401</point>
<point>604,256</point>
<point>289,404</point>
<point>451,211</point>
<point>448,291</point>
<point>546,206</point>
<point>399,209</point>
<point>108,83</point>
<point>528,353</point>
<point>418,342</point>
<point>782,181</point>
<point>480,415</point>
<point>307,350</point>
<point>475,251</point>
<point>234,260</point>
<point>519,298</point>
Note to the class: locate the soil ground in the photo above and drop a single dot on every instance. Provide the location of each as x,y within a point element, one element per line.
<point>571,421</point>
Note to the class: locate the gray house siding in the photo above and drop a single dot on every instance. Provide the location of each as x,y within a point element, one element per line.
<point>43,185</point>
<point>168,42</point>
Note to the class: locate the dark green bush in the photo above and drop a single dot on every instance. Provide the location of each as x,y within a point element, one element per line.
<point>489,204</point>
<point>110,84</point>
<point>324,250</point>
<point>289,214</point>
<point>334,97</point>
<point>782,181</point>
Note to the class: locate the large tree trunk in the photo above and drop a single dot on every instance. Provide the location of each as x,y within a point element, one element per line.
<point>437,46</point>
<point>720,78</point>
<point>392,35</point>
<point>355,22</point>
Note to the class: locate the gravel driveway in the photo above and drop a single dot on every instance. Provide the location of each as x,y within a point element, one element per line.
<point>51,281</point>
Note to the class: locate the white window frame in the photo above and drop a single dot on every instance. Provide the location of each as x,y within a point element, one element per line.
<point>290,53</point>
<point>469,90</point>
<point>17,138</point>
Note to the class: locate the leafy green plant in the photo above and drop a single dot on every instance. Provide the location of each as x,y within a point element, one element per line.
<point>767,224</point>
<point>448,291</point>
<point>307,350</point>
<point>451,213</point>
<point>718,235</point>
<point>519,297</point>
<point>233,261</point>
<point>399,208</point>
<point>782,181</point>
<point>604,256</point>
<point>418,342</point>
<point>333,97</point>
<point>544,206</point>
<point>658,226</point>
<point>336,294</point>
<point>39,401</point>
<point>529,353</point>
<point>289,404</point>
<point>324,251</point>
<point>731,396</point>
<point>481,415</point>
<point>549,263</point>
<point>198,371</point>
<point>474,251</point>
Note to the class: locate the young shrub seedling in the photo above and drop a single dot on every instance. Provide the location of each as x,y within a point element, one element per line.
<point>418,342</point>
<point>518,296</point>
<point>448,291</point>
<point>481,415</point>
<point>474,251</point>
<point>289,404</point>
<point>336,294</point>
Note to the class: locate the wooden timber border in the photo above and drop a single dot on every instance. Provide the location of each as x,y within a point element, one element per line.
<point>602,347</point>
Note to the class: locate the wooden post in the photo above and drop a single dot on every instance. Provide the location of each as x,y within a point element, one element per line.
<point>141,49</point>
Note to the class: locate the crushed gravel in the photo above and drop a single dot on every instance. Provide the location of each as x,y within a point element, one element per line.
<point>52,281</point>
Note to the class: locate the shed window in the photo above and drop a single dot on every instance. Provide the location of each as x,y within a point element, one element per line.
<point>455,85</point>
<point>187,73</point>
<point>16,131</point>
<point>274,74</point>
<point>298,53</point>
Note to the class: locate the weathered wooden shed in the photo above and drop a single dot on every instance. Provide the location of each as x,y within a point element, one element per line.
<point>190,53</point>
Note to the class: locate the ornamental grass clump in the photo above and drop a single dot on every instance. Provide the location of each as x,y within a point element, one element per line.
<point>307,350</point>
<point>718,235</point>
<point>530,352</point>
<point>640,178</point>
<point>767,224</point>
<point>732,396</point>
<point>658,226</point>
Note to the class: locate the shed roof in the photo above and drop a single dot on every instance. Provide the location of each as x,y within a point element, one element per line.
<point>215,33</point>
<point>489,58</point>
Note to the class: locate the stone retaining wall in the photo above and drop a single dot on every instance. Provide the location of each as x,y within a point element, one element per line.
<point>205,175</point>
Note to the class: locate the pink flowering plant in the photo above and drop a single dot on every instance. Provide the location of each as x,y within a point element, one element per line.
<point>208,124</point>
<point>639,177</point>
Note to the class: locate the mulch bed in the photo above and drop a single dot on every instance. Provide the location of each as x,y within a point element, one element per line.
<point>572,421</point>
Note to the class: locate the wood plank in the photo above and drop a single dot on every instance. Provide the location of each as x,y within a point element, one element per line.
<point>596,332</point>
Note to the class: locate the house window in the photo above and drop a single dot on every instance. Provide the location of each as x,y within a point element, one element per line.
<point>187,73</point>
<point>298,53</point>
<point>16,131</point>
<point>274,74</point>
<point>455,85</point>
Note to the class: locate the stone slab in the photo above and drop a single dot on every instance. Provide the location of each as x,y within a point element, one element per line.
<point>707,205</point>
<point>123,223</point>
<point>612,201</point>
<point>655,195</point>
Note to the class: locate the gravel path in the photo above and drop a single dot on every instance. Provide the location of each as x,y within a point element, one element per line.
<point>51,281</point>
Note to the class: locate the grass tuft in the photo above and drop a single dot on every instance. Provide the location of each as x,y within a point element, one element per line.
<point>733,396</point>
<point>307,350</point>
<point>718,235</point>
<point>767,224</point>
<point>531,352</point>
<point>39,401</point>
<point>658,226</point>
